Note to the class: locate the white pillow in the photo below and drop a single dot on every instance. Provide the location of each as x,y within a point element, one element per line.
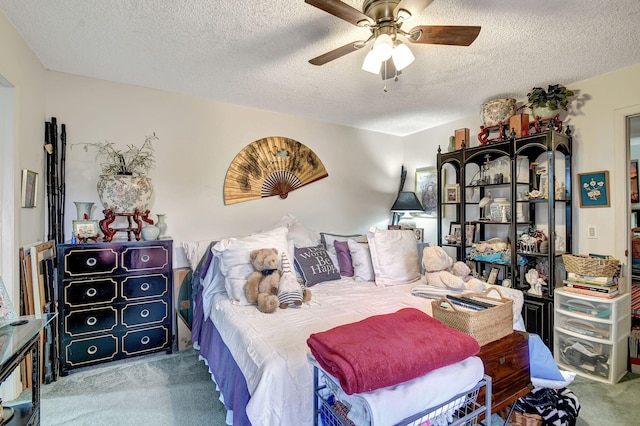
<point>394,255</point>
<point>195,250</point>
<point>361,259</point>
<point>298,233</point>
<point>233,254</point>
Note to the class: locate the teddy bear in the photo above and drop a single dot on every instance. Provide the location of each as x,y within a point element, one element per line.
<point>262,284</point>
<point>439,273</point>
<point>290,291</point>
<point>462,270</point>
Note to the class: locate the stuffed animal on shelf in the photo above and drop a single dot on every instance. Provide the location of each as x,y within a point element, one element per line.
<point>262,284</point>
<point>438,273</point>
<point>290,291</point>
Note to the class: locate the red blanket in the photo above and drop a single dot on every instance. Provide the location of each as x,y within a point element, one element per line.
<point>385,350</point>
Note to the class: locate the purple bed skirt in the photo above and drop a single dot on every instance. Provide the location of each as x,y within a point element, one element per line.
<point>224,368</point>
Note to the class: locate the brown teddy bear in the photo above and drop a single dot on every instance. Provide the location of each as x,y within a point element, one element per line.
<point>262,285</point>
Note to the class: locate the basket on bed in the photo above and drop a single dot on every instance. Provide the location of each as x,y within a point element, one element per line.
<point>486,325</point>
<point>591,266</point>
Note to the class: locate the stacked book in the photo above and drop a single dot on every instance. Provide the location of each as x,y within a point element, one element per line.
<point>606,287</point>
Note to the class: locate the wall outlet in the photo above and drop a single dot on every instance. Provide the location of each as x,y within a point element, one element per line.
<point>592,231</point>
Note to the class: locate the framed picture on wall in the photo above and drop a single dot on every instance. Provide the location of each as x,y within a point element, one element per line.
<point>427,191</point>
<point>633,175</point>
<point>29,188</point>
<point>594,189</point>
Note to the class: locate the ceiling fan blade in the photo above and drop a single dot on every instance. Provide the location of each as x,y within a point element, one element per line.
<point>414,7</point>
<point>337,53</point>
<point>341,10</point>
<point>441,34</point>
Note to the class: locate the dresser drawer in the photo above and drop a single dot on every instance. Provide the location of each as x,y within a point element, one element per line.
<point>506,361</point>
<point>89,292</point>
<point>89,351</point>
<point>90,321</point>
<point>146,340</point>
<point>135,314</point>
<point>146,258</point>
<point>144,286</point>
<point>90,262</point>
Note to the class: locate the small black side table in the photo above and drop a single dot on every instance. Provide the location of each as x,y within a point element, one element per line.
<point>16,342</point>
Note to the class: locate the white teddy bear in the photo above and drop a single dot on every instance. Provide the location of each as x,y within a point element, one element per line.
<point>438,272</point>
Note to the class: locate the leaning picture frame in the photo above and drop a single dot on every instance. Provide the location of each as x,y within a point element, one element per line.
<point>455,232</point>
<point>419,234</point>
<point>29,188</point>
<point>452,193</point>
<point>493,275</point>
<point>594,189</point>
<point>426,188</point>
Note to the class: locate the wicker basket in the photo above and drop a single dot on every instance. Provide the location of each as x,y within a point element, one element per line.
<point>521,419</point>
<point>591,266</point>
<point>486,325</point>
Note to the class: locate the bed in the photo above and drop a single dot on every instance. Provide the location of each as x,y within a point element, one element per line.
<point>260,362</point>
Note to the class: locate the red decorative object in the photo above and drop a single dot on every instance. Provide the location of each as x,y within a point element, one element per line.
<point>553,123</point>
<point>483,136</point>
<point>134,218</point>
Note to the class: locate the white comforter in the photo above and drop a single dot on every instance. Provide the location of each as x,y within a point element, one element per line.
<point>271,349</point>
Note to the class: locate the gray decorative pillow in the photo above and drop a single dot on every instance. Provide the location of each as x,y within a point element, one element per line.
<point>315,265</point>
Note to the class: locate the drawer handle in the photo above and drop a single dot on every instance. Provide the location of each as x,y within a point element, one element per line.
<point>144,313</point>
<point>502,360</point>
<point>92,321</point>
<point>145,258</point>
<point>91,292</point>
<point>145,340</point>
<point>145,286</point>
<point>91,350</point>
<point>92,261</point>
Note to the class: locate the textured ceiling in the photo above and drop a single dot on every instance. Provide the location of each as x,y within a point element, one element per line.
<point>256,53</point>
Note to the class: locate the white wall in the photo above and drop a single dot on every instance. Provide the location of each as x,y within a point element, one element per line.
<point>25,76</point>
<point>21,140</point>
<point>199,139</point>
<point>597,118</point>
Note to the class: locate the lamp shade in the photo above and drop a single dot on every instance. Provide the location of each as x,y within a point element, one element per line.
<point>407,202</point>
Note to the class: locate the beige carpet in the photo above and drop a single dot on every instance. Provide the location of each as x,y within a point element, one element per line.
<point>176,389</point>
<point>157,389</point>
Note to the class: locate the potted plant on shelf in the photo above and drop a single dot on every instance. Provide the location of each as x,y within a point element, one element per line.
<point>548,103</point>
<point>123,185</point>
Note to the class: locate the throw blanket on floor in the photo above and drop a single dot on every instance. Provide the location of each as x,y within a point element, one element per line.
<point>385,350</point>
<point>557,407</point>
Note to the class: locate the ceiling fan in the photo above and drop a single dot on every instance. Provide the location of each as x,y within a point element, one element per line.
<point>384,18</point>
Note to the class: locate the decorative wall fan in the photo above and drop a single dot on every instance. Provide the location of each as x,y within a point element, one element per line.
<point>271,166</point>
<point>384,18</point>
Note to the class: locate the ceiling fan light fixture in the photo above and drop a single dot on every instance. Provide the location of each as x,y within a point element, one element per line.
<point>383,47</point>
<point>402,56</point>
<point>371,63</point>
<point>404,15</point>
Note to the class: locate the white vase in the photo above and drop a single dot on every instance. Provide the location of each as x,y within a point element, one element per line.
<point>123,193</point>
<point>162,225</point>
<point>150,232</point>
<point>83,209</point>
